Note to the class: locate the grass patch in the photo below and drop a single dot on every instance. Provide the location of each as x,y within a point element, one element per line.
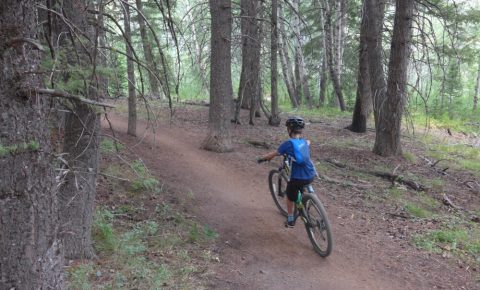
<point>417,210</point>
<point>460,241</point>
<point>458,156</point>
<point>145,242</point>
<point>79,276</point>
<point>396,193</point>
<point>410,157</point>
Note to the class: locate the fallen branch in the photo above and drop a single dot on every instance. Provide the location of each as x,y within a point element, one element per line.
<point>398,215</point>
<point>62,94</point>
<point>194,103</point>
<point>390,176</point>
<point>446,201</point>
<point>343,183</point>
<point>260,144</point>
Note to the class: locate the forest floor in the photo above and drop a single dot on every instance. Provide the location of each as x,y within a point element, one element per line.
<point>387,235</point>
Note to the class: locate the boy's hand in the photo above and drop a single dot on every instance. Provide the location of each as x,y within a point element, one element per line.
<point>261,159</point>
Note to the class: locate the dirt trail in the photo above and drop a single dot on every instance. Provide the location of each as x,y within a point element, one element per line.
<point>257,252</point>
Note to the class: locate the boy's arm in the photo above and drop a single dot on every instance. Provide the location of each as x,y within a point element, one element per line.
<point>269,156</point>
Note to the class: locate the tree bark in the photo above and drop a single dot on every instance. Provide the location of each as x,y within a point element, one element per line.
<point>132,96</point>
<point>477,90</point>
<point>330,55</point>
<point>82,125</point>
<point>323,82</point>
<point>250,29</point>
<point>288,76</point>
<point>274,119</point>
<point>363,103</point>
<point>147,51</point>
<point>340,36</point>
<point>390,109</point>
<point>30,248</point>
<point>300,69</point>
<point>218,138</point>
<point>102,39</point>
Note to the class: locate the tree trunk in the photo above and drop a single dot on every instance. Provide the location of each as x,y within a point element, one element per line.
<point>363,103</point>
<point>297,85</point>
<point>285,60</point>
<point>477,91</point>
<point>153,73</point>
<point>390,109</point>
<point>274,119</point>
<point>79,189</point>
<point>330,55</point>
<point>102,38</point>
<point>323,81</point>
<point>132,96</point>
<point>30,248</point>
<point>340,37</point>
<point>218,138</point>
<point>250,29</point>
<point>77,193</point>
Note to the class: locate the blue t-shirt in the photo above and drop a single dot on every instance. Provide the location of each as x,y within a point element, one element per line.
<point>299,172</point>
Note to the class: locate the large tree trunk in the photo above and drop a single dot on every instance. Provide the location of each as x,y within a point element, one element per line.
<point>132,96</point>
<point>363,103</point>
<point>288,76</point>
<point>30,252</point>
<point>81,144</point>
<point>274,119</point>
<point>147,51</point>
<point>477,90</point>
<point>330,55</point>
<point>250,29</point>
<point>218,138</point>
<point>390,109</point>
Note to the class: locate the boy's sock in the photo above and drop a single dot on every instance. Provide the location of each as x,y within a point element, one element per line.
<point>290,221</point>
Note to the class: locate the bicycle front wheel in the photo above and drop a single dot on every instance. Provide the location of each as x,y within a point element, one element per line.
<point>318,226</point>
<point>277,182</point>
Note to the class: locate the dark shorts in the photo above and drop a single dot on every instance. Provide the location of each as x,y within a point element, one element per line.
<point>294,186</point>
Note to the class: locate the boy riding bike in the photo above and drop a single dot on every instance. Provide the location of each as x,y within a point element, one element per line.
<point>303,170</point>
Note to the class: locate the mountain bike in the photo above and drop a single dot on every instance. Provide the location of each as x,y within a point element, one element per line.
<point>308,208</point>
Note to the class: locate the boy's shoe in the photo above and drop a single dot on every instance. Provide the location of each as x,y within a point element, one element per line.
<point>289,224</point>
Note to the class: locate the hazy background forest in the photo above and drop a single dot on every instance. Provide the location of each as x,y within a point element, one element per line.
<point>391,68</point>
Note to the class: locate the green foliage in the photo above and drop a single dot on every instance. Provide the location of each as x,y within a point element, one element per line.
<point>108,145</point>
<point>148,183</point>
<point>144,180</point>
<point>19,148</point>
<point>104,237</point>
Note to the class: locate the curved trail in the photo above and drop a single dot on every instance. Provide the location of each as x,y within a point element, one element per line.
<point>257,252</point>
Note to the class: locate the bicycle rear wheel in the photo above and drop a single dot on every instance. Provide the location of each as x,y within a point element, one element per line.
<point>318,226</point>
<point>277,182</point>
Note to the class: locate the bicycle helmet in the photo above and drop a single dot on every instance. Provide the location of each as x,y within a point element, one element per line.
<point>295,123</point>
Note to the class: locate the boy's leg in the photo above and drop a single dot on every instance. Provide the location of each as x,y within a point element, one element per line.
<point>292,192</point>
<point>289,206</point>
